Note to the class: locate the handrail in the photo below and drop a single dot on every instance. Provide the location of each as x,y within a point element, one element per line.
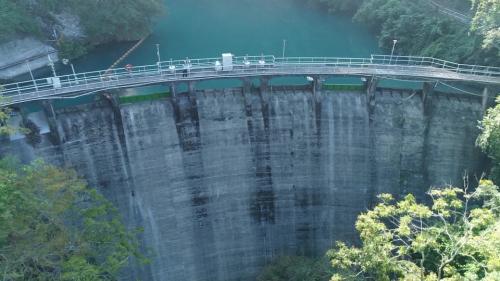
<point>212,68</point>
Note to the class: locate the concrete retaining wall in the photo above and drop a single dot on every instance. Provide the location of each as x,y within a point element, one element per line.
<point>223,182</point>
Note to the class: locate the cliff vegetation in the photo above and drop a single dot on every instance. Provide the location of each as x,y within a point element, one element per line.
<point>54,227</point>
<point>422,30</point>
<point>75,26</point>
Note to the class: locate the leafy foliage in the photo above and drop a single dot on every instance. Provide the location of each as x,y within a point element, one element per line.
<point>297,269</point>
<point>456,238</point>
<point>56,228</point>
<point>487,21</point>
<point>421,30</point>
<point>489,139</point>
<point>112,20</point>
<point>71,49</point>
<point>4,116</point>
<point>15,20</point>
<point>102,21</point>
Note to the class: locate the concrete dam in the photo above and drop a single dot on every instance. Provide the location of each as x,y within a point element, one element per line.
<point>224,181</point>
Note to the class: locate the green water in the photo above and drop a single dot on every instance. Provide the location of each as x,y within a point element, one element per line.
<point>208,28</point>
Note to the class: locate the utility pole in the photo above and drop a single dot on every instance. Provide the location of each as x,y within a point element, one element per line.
<point>66,62</point>
<point>393,47</point>
<point>74,73</point>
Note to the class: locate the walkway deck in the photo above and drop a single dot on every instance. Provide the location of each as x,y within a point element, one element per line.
<point>206,69</point>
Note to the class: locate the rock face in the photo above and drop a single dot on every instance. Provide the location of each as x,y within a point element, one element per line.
<point>69,26</point>
<point>14,55</point>
<point>223,182</point>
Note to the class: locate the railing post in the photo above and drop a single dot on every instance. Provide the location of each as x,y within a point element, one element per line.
<point>85,79</point>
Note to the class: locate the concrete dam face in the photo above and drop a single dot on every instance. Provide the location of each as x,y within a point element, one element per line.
<point>224,181</point>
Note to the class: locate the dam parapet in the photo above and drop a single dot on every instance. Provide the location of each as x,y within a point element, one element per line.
<point>224,181</point>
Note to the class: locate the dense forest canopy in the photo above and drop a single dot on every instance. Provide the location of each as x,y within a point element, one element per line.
<point>421,30</point>
<point>54,227</point>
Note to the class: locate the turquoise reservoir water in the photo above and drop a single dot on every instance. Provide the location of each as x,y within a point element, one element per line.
<point>207,28</point>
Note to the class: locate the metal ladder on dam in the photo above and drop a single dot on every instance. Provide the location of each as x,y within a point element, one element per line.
<point>229,66</point>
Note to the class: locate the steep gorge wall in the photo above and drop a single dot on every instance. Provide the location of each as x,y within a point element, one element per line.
<point>223,182</point>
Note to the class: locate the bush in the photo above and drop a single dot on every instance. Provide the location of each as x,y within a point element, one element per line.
<point>54,227</point>
<point>71,49</point>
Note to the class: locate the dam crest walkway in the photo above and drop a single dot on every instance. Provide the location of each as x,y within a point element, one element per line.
<point>175,71</point>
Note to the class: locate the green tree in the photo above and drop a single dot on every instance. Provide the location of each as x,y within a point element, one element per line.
<point>489,139</point>
<point>15,20</point>
<point>486,20</point>
<point>4,116</point>
<point>116,20</point>
<point>422,31</point>
<point>456,238</point>
<point>54,227</point>
<point>101,21</point>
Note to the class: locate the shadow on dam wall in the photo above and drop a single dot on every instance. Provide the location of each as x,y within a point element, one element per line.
<point>224,181</point>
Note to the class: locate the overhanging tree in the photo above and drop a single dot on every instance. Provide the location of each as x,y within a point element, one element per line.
<point>54,227</point>
<point>487,21</point>
<point>489,139</point>
<point>456,238</point>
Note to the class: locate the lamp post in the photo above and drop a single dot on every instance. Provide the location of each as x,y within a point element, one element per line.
<point>394,42</point>
<point>66,62</point>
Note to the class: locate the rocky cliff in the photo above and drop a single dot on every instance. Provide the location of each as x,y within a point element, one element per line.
<point>223,182</point>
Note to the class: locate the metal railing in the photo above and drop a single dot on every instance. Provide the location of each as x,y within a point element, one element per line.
<point>245,66</point>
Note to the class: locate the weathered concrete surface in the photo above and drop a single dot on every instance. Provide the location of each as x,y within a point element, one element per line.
<point>14,54</point>
<point>223,182</point>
